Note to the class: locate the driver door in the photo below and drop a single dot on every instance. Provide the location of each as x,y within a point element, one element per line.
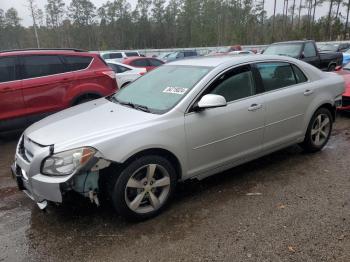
<point>219,137</point>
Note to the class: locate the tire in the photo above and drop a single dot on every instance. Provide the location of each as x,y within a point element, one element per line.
<point>316,137</point>
<point>84,100</point>
<point>137,197</point>
<point>331,68</point>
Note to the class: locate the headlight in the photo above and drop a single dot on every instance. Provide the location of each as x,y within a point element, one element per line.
<point>67,162</point>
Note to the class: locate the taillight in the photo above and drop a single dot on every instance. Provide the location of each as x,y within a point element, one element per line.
<point>142,73</point>
<point>111,74</point>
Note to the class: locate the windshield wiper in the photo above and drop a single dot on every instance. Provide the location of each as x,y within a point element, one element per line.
<point>130,104</point>
<point>142,108</point>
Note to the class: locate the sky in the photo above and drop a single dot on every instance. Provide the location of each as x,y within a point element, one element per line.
<point>21,6</point>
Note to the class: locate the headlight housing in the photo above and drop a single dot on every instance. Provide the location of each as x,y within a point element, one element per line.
<point>67,162</point>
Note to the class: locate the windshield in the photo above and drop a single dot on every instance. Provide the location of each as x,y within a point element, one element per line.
<point>162,88</point>
<point>292,50</point>
<point>333,48</point>
<point>172,55</point>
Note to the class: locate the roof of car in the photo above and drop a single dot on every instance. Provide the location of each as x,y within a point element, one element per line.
<point>293,42</point>
<point>214,61</point>
<point>44,52</point>
<point>133,58</point>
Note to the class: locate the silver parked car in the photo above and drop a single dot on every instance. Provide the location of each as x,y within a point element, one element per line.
<point>187,119</point>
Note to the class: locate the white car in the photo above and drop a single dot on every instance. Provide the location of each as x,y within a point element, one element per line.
<point>125,74</point>
<point>118,55</point>
<point>241,52</point>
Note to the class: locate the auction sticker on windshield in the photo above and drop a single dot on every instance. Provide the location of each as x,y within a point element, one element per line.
<point>175,90</point>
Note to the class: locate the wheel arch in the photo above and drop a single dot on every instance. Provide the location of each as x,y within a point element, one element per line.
<point>330,107</point>
<point>82,96</point>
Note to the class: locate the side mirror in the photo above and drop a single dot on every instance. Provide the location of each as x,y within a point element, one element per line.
<point>302,55</point>
<point>210,101</point>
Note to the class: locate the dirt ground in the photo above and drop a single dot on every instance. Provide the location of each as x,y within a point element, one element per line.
<point>288,206</point>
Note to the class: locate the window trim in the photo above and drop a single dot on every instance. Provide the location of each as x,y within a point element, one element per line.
<point>21,69</point>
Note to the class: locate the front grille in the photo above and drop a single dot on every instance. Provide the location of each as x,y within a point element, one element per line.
<point>345,101</point>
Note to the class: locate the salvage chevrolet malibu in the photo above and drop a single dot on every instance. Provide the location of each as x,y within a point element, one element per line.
<point>187,119</point>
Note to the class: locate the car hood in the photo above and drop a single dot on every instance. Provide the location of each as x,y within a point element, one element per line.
<point>85,122</point>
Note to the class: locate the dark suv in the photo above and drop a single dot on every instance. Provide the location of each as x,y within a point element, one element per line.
<point>36,83</point>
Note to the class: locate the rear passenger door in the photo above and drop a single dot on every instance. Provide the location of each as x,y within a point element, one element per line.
<point>44,84</point>
<point>286,95</point>
<point>11,97</point>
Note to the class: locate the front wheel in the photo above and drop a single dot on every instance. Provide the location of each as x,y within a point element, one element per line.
<point>144,188</point>
<point>318,131</point>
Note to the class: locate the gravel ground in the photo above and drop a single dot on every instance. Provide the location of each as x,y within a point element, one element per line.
<point>288,206</point>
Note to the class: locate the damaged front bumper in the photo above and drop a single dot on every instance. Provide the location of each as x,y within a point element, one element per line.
<point>42,188</point>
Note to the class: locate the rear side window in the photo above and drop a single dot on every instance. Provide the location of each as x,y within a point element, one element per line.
<point>276,75</point>
<point>299,75</point>
<point>155,62</point>
<point>74,63</point>
<point>7,69</point>
<point>190,53</point>
<point>309,50</point>
<point>41,65</point>
<point>140,63</point>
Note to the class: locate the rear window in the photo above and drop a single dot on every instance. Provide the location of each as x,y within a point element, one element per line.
<point>140,63</point>
<point>129,54</point>
<point>41,65</point>
<point>115,55</point>
<point>7,69</point>
<point>155,62</point>
<point>74,63</point>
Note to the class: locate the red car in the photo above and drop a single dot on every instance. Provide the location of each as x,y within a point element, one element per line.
<point>36,83</point>
<point>143,62</point>
<point>345,72</point>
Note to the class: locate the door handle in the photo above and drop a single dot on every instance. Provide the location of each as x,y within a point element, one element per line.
<point>254,107</point>
<point>308,92</point>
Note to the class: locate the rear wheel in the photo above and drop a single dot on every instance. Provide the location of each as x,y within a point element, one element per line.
<point>144,187</point>
<point>319,130</point>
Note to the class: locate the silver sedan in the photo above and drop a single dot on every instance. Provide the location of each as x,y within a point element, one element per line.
<point>187,119</point>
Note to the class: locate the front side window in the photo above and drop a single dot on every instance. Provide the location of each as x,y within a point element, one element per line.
<point>74,63</point>
<point>235,84</point>
<point>309,50</point>
<point>276,75</point>
<point>7,69</point>
<point>162,88</point>
<point>41,65</point>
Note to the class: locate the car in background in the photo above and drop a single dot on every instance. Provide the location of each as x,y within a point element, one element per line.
<point>242,52</point>
<point>149,63</point>
<point>181,121</point>
<point>180,55</point>
<point>35,83</point>
<point>125,74</point>
<point>118,55</point>
<point>328,47</point>
<point>226,49</point>
<point>346,57</point>
<point>345,73</point>
<point>307,51</point>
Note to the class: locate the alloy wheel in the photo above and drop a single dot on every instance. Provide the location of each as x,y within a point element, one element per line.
<point>147,188</point>
<point>320,129</point>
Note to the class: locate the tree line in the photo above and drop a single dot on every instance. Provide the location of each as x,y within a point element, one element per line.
<point>173,23</point>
